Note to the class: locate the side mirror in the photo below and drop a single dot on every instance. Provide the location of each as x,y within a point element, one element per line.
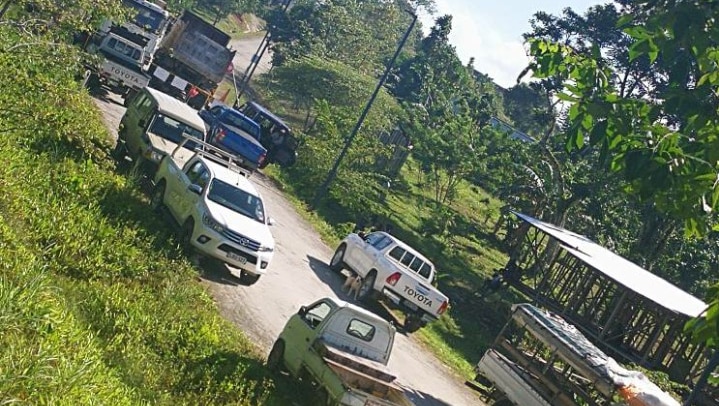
<point>196,189</point>
<point>303,311</point>
<point>270,221</point>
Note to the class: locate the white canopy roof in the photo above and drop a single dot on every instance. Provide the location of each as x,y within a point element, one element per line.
<point>622,271</point>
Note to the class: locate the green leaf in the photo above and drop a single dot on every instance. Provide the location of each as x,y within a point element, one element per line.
<point>598,133</point>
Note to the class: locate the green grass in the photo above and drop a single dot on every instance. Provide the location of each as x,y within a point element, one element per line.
<point>476,316</point>
<point>98,304</point>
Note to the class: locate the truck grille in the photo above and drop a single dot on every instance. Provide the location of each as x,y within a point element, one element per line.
<point>241,240</point>
<point>251,259</point>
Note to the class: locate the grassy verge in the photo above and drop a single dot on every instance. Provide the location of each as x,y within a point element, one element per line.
<point>476,316</point>
<point>98,305</point>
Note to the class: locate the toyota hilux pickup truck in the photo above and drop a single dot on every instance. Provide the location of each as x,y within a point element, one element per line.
<point>390,268</point>
<point>220,212</point>
<point>234,132</point>
<point>343,351</point>
<point>152,126</point>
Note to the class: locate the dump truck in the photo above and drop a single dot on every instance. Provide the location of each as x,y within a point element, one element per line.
<point>341,350</point>
<point>192,60</point>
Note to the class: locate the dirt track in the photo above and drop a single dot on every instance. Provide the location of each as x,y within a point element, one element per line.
<point>299,275</point>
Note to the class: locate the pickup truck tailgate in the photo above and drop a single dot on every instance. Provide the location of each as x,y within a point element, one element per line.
<point>237,141</point>
<point>417,294</point>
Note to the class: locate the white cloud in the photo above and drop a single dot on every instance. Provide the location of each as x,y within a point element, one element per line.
<point>500,57</point>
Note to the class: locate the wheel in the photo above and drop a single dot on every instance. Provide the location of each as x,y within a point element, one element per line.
<point>186,234</point>
<point>275,359</point>
<point>365,291</point>
<point>337,262</point>
<point>119,152</point>
<point>248,278</point>
<point>321,397</point>
<point>158,194</point>
<point>412,323</point>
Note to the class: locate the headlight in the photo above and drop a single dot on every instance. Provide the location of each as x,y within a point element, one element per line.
<point>212,223</point>
<point>266,249</point>
<point>153,155</point>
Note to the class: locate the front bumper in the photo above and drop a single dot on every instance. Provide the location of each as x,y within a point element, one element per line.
<point>215,245</point>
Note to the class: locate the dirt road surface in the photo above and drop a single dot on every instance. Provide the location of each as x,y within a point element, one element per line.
<point>299,275</point>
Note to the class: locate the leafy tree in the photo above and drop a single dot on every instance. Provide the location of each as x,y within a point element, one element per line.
<point>662,136</point>
<point>340,30</point>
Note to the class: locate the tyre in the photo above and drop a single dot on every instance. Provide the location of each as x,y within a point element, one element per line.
<point>367,288</point>
<point>158,195</point>
<point>186,234</point>
<point>275,361</point>
<point>412,323</point>
<point>119,152</point>
<point>249,279</point>
<point>337,262</point>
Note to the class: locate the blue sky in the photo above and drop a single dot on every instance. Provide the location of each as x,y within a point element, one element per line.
<point>491,31</point>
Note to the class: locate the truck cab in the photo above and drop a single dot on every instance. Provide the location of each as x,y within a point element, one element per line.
<point>344,350</point>
<point>281,149</point>
<point>236,133</point>
<point>153,125</point>
<point>392,269</point>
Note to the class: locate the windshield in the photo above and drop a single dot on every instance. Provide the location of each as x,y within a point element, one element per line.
<point>147,18</point>
<point>243,123</point>
<point>175,131</point>
<point>236,200</point>
<point>123,49</point>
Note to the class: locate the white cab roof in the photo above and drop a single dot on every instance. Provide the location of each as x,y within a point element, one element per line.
<point>176,109</point>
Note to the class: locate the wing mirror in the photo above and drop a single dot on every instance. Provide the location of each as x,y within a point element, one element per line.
<point>303,311</point>
<point>270,221</point>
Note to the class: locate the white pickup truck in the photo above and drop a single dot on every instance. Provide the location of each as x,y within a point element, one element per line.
<point>395,270</point>
<point>343,351</point>
<point>221,213</point>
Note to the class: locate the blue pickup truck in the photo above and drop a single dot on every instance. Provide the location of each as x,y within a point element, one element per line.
<point>234,132</point>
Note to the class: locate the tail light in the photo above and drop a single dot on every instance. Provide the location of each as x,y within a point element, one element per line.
<point>262,159</point>
<point>443,308</point>
<point>392,279</point>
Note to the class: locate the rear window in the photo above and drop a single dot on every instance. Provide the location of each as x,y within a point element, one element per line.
<point>360,329</point>
<point>411,261</point>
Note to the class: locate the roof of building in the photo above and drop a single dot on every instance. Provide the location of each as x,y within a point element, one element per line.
<point>622,271</point>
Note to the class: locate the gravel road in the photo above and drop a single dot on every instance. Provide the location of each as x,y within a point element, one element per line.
<point>299,275</point>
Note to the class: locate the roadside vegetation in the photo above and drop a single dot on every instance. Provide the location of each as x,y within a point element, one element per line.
<point>98,305</point>
<point>649,199</point>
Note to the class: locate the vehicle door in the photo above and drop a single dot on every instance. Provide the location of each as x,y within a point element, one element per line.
<point>180,198</point>
<point>371,250</point>
<point>211,115</point>
<point>301,331</point>
<point>136,121</point>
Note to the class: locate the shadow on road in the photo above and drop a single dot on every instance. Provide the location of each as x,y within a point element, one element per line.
<point>423,399</point>
<point>335,282</point>
<point>216,271</point>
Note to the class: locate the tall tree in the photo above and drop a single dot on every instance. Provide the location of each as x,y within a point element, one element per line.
<point>663,135</point>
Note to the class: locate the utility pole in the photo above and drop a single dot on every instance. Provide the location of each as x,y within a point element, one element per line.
<point>324,187</point>
<point>264,44</point>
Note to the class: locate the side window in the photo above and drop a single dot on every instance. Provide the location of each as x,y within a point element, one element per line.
<point>315,314</point>
<point>361,330</point>
<point>198,174</point>
<point>397,253</point>
<point>144,106</point>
